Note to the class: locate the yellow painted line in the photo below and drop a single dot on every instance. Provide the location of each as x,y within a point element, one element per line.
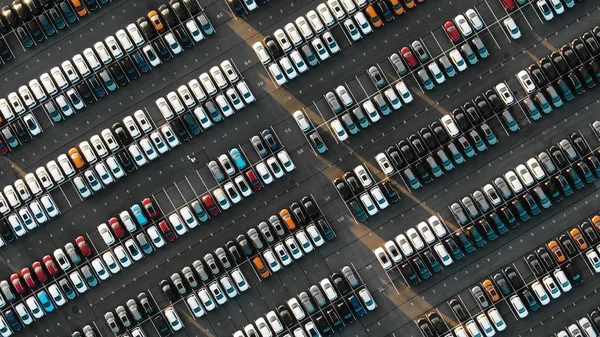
<point>548,46</point>
<point>429,101</point>
<point>197,325</point>
<point>533,57</point>
<point>19,170</point>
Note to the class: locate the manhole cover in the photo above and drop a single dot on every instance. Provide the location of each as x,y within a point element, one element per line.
<point>292,182</point>
<point>506,55</point>
<point>75,309</point>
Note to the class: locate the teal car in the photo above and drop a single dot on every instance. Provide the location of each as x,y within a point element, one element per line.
<point>499,223</point>
<point>530,202</point>
<point>421,268</point>
<point>137,211</point>
<point>594,165</point>
<point>238,159</point>
<point>468,51</point>
<point>479,143</point>
<point>488,230</point>
<point>542,197</point>
<point>435,265</point>
<point>358,211</point>
<point>510,121</point>
<point>575,178</point>
<point>412,179</point>
<point>543,103</point>
<point>466,243</point>
<point>466,147</point>
<point>534,113</point>
<point>566,91</point>
<point>586,172</point>
<point>521,212</point>
<point>456,155</point>
<point>446,162</point>
<point>456,252</point>
<point>489,134</point>
<point>45,301</point>
<point>554,97</point>
<point>317,143</point>
<point>476,236</point>
<point>564,185</point>
<point>435,168</point>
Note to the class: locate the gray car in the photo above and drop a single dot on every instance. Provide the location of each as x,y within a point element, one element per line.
<point>349,123</point>
<point>459,213</point>
<point>306,302</point>
<point>503,187</point>
<point>266,232</point>
<point>243,242</point>
<point>188,275</point>
<point>216,170</point>
<point>470,206</point>
<point>199,268</point>
<point>133,309</point>
<point>317,295</point>
<point>255,238</point>
<point>259,146</point>
<point>88,331</point>
<point>123,317</point>
<point>419,49</point>
<point>333,102</point>
<point>144,244</point>
<point>480,296</point>
<point>376,76</point>
<point>222,256</point>
<point>447,66</point>
<point>6,291</point>
<point>567,148</point>
<point>72,253</point>
<point>363,121</point>
<point>145,302</point>
<point>109,317</point>
<point>548,164</point>
<point>178,283</point>
<point>209,259</point>
<point>89,276</point>
<point>396,61</point>
<point>276,224</point>
<point>350,276</point>
<point>382,104</point>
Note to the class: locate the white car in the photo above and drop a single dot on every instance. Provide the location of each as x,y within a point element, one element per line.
<point>404,92</point>
<point>512,28</point>
<point>221,199</point>
<point>137,155</point>
<point>142,120</point>
<point>206,300</point>
<point>33,184</point>
<point>262,170</point>
<point>217,292</point>
<point>474,19</point>
<point>293,248</point>
<point>336,8</point>
<point>274,322</point>
<point>122,256</point>
<point>524,175</point>
<point>250,4</point>
<point>59,77</point>
<point>497,319</point>
<point>194,31</point>
<point>229,71</point>
<point>271,260</point>
<point>393,251</point>
<point>91,58</point>
<point>517,304</point>
<point>173,319</point>
<point>558,6</point>
<point>426,232</point>
<point>207,84</point>
<point>261,52</point>
<point>177,224</point>
<point>286,161</point>
<point>328,289</point>
<point>70,71</point>
<point>379,198</point>
<point>526,81</point>
<point>545,10</point>
<point>22,190</point>
<point>319,47</point>
<point>463,25</point>
<point>38,212</point>
<point>363,176</point>
<point>155,237</point>
<point>34,307</point>
<point>240,280</point>
<point>443,254</point>
<point>367,299</point>
<point>55,172</point>
<point>540,293</point>
<point>339,130</point>
<point>135,34</point>
<point>164,108</point>
<point>562,280</point>
<point>304,242</point>
<point>77,281</point>
<point>551,286</point>
<point>415,239</point>
<point>114,47</point>
<point>16,103</point>
<point>172,43</point>
<point>592,257</point>
<point>368,203</point>
<point>245,92</point>
<point>87,152</point>
<point>315,22</point>
<point>384,164</point>
<point>175,102</point>
<point>158,142</point>
<point>436,72</point>
<point>587,327</point>
<point>391,96</point>
<point>11,196</point>
<point>56,294</point>
<point>109,139</point>
<point>148,149</point>
<point>404,245</point>
<point>302,121</point>
<point>218,77</point>
<point>287,68</point>
<point>314,234</point>
<point>450,126</point>
<point>188,217</point>
<point>325,15</point>
<point>195,305</point>
<point>282,39</point>
<point>37,90</point>
<point>277,74</point>
<point>103,173</point>
<point>27,97</point>
<point>296,308</point>
<point>47,84</point>
<point>263,327</point>
<point>16,225</point>
<point>458,60</point>
<point>98,146</point>
<point>473,328</point>
<point>331,43</point>
<point>169,135</point>
<point>151,55</point>
<point>124,40</point>
<point>49,206</point>
<point>111,262</point>
<point>536,169</point>
<point>293,34</point>
<point>382,257</point>
<point>437,226</point>
<point>100,268</point>
<point>304,27</point>
<point>106,234</point>
<point>513,181</point>
<point>61,259</point>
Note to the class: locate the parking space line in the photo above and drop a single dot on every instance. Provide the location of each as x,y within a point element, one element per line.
<point>498,20</point>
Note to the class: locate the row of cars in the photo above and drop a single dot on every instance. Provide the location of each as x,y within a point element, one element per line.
<point>67,88</point>
<point>339,299</point>
<point>197,97</point>
<point>590,323</point>
<point>26,215</point>
<point>574,67</point>
<point>490,321</point>
<point>243,7</point>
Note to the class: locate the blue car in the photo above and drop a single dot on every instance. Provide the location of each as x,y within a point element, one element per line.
<point>199,210</point>
<point>138,213</point>
<point>489,134</point>
<point>45,301</point>
<point>587,173</point>
<point>358,210</point>
<point>238,159</point>
<point>141,62</point>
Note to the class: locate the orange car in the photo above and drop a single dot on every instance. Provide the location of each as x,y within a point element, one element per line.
<point>79,8</point>
<point>262,270</point>
<point>578,238</point>
<point>155,19</point>
<point>396,6</point>
<point>596,221</point>
<point>409,3</point>
<point>375,19</point>
<point>76,158</point>
<point>287,218</point>
<point>491,290</point>
<point>555,249</point>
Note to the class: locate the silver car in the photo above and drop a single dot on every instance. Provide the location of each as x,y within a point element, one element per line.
<point>109,317</point>
<point>88,331</point>
<point>350,276</point>
<point>255,238</point>
<point>396,61</point>
<point>567,148</point>
<point>266,232</point>
<point>123,317</point>
<point>276,224</point>
<point>70,250</point>
<point>548,164</point>
<point>222,256</point>
<point>419,49</point>
<point>216,170</point>
<point>306,302</point>
<point>375,75</point>
<point>470,206</point>
<point>199,268</point>
<point>459,213</point>
<point>178,283</point>
<point>333,102</point>
<point>503,187</point>
<point>317,295</point>
<point>133,309</point>
<point>188,275</point>
<point>480,296</point>
<point>481,200</point>
<point>209,259</point>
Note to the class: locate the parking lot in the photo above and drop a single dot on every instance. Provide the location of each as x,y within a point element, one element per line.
<point>181,176</point>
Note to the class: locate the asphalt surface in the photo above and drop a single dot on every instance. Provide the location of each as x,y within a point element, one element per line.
<point>174,180</point>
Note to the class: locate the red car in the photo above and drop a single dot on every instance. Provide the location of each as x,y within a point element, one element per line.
<point>3,147</point>
<point>26,274</point>
<point>50,265</point>
<point>149,207</point>
<point>39,271</point>
<point>452,32</point>
<point>256,184</point>
<point>83,246</point>
<point>509,5</point>
<point>210,205</point>
<point>116,227</point>
<point>409,57</point>
<point>17,284</point>
<point>166,230</point>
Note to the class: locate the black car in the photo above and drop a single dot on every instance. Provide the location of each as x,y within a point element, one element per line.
<point>422,172</point>
<point>310,207</point>
<point>192,124</point>
<point>161,326</point>
<point>285,315</point>
<point>461,120</point>
<point>272,46</point>
<point>547,260</point>
<point>168,290</point>
<point>125,161</point>
<point>162,50</point>
<point>569,55</point>
<point>483,106</point>
<point>573,273</point>
<point>575,83</point>
<point>91,5</point>
<point>4,28</point>
<point>118,75</point>
<point>34,6</point>
<point>595,318</point>
<point>437,322</point>
<point>10,17</point>
<point>179,10</point>
<point>121,133</point>
<point>21,11</point>
<point>192,6</point>
<point>342,188</point>
<point>322,325</point>
<point>46,25</point>
<point>183,38</point>
<point>559,63</point>
<point>395,157</point>
<point>36,31</point>
<point>67,11</point>
<point>425,327</point>
<point>537,76</point>
<point>548,68</point>
<point>390,192</point>
<point>568,245</point>
<point>180,130</point>
<point>428,139</point>
<point>344,311</point>
<point>580,144</point>
<point>353,182</point>
<point>471,112</point>
<point>494,101</point>
<point>408,153</point>
<point>409,273</point>
<point>458,309</point>
<point>552,190</point>
<point>340,283</point>
<point>298,213</point>
<point>417,145</point>
<point>167,16</point>
<point>334,319</point>
<point>85,92</point>
<point>129,68</point>
<point>535,265</point>
<point>591,43</point>
<point>558,156</point>
<point>589,232</point>
<point>440,132</point>
<point>384,10</point>
<point>586,76</point>
<point>581,50</point>
<point>147,28</point>
<point>237,7</point>
<point>234,251</point>
<point>7,234</point>
<point>594,66</point>
<point>21,131</point>
<point>513,277</point>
